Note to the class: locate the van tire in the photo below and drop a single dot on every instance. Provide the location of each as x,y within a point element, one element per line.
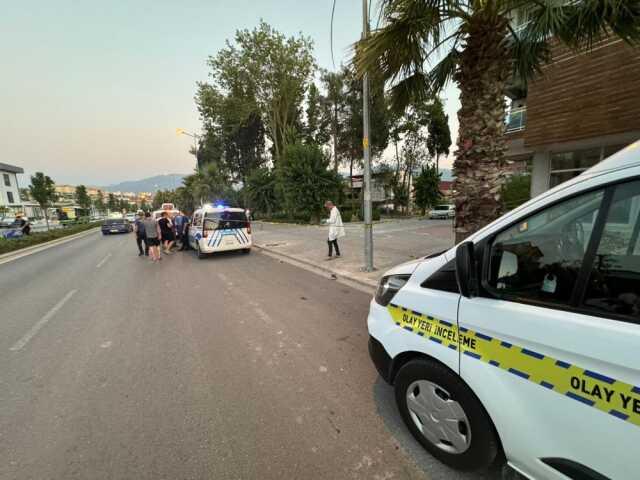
<point>246,250</point>
<point>483,446</point>
<point>199,252</point>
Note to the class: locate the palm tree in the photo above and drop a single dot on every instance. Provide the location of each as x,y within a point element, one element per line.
<point>476,44</point>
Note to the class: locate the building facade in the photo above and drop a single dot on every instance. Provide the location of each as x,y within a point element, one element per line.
<point>582,108</point>
<point>9,189</point>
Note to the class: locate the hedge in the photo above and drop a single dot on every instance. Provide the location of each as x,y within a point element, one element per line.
<point>13,244</point>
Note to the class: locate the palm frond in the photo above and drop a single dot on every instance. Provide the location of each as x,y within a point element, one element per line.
<point>529,51</point>
<point>442,73</point>
<point>410,90</point>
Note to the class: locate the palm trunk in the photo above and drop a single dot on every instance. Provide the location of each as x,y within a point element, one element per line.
<point>335,137</point>
<point>482,75</point>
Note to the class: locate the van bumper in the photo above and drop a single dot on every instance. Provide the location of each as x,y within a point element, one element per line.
<point>380,358</point>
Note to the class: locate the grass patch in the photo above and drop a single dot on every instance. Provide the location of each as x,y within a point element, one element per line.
<point>11,245</point>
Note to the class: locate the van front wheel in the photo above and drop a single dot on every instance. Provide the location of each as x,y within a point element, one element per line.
<point>445,416</point>
<point>199,252</point>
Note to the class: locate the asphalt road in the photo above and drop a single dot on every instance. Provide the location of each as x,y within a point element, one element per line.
<point>233,367</point>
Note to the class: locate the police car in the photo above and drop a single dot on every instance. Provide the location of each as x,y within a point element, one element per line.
<point>524,340</point>
<point>219,229</point>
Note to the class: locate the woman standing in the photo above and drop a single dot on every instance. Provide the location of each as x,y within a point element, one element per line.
<point>166,229</point>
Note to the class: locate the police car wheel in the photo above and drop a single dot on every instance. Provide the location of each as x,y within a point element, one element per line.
<point>445,416</point>
<point>199,252</point>
<point>246,250</point>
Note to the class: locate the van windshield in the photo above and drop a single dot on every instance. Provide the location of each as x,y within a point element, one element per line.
<point>441,207</point>
<point>227,220</point>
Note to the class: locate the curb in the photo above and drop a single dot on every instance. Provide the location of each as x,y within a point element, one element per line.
<point>23,252</point>
<point>369,285</point>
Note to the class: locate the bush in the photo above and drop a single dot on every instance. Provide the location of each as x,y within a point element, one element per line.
<point>11,245</point>
<point>375,214</point>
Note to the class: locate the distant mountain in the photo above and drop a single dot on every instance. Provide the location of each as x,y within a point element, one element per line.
<point>151,184</point>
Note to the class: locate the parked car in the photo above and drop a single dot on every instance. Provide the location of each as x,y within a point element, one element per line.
<point>116,225</point>
<point>442,212</point>
<point>524,340</point>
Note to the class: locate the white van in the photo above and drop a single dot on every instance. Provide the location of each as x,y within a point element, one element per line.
<point>219,229</point>
<point>166,207</point>
<point>525,339</point>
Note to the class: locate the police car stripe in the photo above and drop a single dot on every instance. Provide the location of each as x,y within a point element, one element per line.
<point>587,387</point>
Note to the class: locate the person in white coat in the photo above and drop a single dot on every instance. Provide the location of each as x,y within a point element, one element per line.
<point>336,228</point>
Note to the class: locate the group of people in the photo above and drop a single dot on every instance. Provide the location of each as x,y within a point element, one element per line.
<point>160,235</point>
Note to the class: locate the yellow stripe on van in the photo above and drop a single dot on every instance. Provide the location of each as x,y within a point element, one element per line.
<point>618,399</point>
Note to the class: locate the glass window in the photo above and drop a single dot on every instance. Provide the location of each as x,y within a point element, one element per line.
<point>7,180</point>
<point>10,197</point>
<point>444,279</point>
<point>539,258</point>
<point>197,220</point>
<point>228,220</point>
<point>614,284</point>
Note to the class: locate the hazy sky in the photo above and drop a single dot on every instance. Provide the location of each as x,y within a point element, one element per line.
<point>91,92</point>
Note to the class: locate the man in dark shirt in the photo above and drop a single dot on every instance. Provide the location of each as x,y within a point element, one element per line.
<point>141,235</point>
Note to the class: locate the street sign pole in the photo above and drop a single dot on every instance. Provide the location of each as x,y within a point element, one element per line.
<point>368,225</point>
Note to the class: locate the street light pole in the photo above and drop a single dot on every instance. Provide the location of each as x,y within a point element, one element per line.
<point>195,136</point>
<point>368,225</point>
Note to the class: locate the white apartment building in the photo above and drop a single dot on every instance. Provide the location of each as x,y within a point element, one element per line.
<point>9,191</point>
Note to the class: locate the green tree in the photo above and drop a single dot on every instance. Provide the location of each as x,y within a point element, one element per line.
<point>516,190</point>
<point>261,190</point>
<point>316,128</point>
<point>333,110</point>
<point>83,199</point>
<point>43,191</point>
<point>305,180</point>
<point>476,45</point>
<point>98,203</point>
<point>272,69</point>
<point>143,205</point>
<point>439,140</point>
<point>425,188</point>
<point>112,203</point>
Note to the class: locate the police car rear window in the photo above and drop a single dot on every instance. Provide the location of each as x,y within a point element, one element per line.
<point>228,219</point>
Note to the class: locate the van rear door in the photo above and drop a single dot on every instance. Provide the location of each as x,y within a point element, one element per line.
<point>556,358</point>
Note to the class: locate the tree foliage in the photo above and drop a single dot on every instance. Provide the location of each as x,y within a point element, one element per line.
<point>425,188</point>
<point>43,191</point>
<point>305,179</point>
<point>82,198</point>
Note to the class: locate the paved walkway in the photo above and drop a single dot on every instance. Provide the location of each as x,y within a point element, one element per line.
<point>395,242</point>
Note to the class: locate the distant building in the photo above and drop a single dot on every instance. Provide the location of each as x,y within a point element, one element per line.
<point>9,190</point>
<point>582,108</point>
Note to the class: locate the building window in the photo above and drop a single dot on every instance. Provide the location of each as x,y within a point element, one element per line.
<point>10,197</point>
<point>566,165</point>
<point>7,180</point>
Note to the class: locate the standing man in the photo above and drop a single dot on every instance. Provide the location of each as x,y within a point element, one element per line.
<point>180,222</point>
<point>336,228</point>
<point>141,236</point>
<point>152,232</point>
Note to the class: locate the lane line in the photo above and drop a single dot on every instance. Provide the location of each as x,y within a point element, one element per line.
<point>19,345</point>
<point>103,261</point>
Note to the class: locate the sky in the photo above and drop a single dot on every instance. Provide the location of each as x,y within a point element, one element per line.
<point>92,92</point>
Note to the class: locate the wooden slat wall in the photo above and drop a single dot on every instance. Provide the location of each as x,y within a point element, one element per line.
<point>585,95</point>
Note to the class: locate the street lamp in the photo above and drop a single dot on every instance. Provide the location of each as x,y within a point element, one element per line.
<point>196,140</point>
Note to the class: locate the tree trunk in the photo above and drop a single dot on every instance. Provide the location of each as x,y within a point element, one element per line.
<point>46,217</point>
<point>353,203</point>
<point>482,75</point>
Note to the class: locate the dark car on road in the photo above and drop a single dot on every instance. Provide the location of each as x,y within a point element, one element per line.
<point>116,225</point>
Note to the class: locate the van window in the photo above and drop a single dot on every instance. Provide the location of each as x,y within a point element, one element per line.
<point>197,220</point>
<point>539,258</point>
<point>228,220</point>
<point>444,279</point>
<point>614,283</point>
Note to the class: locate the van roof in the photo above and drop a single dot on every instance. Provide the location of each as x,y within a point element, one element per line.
<point>212,208</point>
<point>625,158</point>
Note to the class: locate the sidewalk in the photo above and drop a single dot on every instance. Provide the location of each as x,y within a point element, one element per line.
<point>395,242</point>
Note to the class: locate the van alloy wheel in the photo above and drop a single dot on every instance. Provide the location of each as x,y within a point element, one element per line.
<point>438,417</point>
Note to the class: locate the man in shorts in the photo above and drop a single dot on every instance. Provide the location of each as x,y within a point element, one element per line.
<point>152,231</point>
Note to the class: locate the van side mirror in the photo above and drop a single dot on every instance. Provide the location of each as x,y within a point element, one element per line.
<point>466,269</point>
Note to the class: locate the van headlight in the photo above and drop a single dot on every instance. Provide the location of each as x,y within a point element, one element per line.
<point>388,287</point>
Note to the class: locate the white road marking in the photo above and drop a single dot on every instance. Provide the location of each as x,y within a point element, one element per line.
<point>103,261</point>
<point>19,345</point>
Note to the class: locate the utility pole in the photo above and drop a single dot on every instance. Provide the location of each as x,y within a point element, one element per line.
<point>368,225</point>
